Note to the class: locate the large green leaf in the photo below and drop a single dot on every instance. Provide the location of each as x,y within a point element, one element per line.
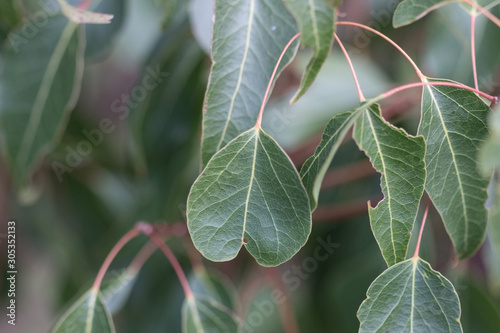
<point>87,315</point>
<point>316,20</point>
<point>454,125</point>
<point>39,85</point>
<point>409,11</point>
<point>249,194</point>
<point>248,38</point>
<point>410,297</point>
<point>314,169</point>
<point>202,314</point>
<point>399,158</point>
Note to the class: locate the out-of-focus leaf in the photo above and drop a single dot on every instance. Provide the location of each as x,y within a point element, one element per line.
<point>248,38</point>
<point>87,315</point>
<point>214,285</point>
<point>314,169</point>
<point>116,288</point>
<point>249,194</point>
<point>39,84</point>
<point>454,125</point>
<point>83,16</point>
<point>316,20</point>
<point>202,314</point>
<point>409,11</point>
<point>489,155</point>
<point>100,38</point>
<point>410,297</point>
<point>399,158</point>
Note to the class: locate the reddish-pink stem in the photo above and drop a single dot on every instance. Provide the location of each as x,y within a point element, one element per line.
<point>359,25</point>
<point>445,84</point>
<point>173,261</point>
<point>417,248</point>
<point>84,4</point>
<point>143,255</point>
<point>358,87</point>
<point>483,11</point>
<point>473,47</point>
<point>270,84</point>
<point>112,254</point>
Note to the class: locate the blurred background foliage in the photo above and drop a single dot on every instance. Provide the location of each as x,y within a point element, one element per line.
<point>143,169</point>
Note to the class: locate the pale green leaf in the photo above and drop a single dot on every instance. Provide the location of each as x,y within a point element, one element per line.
<point>314,169</point>
<point>248,38</point>
<point>409,11</point>
<point>489,156</point>
<point>87,315</point>
<point>214,285</point>
<point>492,251</point>
<point>410,297</point>
<point>202,314</point>
<point>249,194</point>
<point>454,125</point>
<point>399,158</point>
<point>316,20</point>
<point>39,84</point>
<point>116,288</point>
<point>83,16</point>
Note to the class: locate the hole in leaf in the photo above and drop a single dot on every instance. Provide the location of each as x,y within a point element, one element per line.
<point>245,240</point>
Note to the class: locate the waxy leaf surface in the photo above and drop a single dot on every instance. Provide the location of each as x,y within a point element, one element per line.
<point>316,20</point>
<point>248,38</point>
<point>454,125</point>
<point>249,194</point>
<point>399,158</point>
<point>409,11</point>
<point>410,297</point>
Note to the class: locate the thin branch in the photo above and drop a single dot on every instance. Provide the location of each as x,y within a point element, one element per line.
<point>359,25</point>
<point>270,84</point>
<point>84,4</point>
<point>473,48</point>
<point>417,248</point>
<point>342,211</point>
<point>112,254</point>
<point>483,11</point>
<point>347,174</point>
<point>356,81</point>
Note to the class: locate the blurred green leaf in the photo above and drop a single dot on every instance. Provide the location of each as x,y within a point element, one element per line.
<point>39,84</point>
<point>83,16</point>
<point>399,158</point>
<point>249,194</point>
<point>454,125</point>
<point>316,20</point>
<point>203,315</point>
<point>409,11</point>
<point>248,38</point>
<point>410,297</point>
<point>116,288</point>
<point>214,285</point>
<point>87,315</point>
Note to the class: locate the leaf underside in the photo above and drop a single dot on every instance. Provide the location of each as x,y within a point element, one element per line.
<point>248,38</point>
<point>249,194</point>
<point>399,158</point>
<point>203,315</point>
<point>410,297</point>
<point>454,125</point>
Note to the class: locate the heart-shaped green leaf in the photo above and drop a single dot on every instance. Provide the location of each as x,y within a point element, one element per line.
<point>248,38</point>
<point>202,314</point>
<point>316,20</point>
<point>249,194</point>
<point>454,125</point>
<point>399,158</point>
<point>410,297</point>
<point>314,169</point>
<point>39,84</point>
<point>87,315</point>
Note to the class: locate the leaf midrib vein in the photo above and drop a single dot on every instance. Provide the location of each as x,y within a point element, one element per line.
<point>240,75</point>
